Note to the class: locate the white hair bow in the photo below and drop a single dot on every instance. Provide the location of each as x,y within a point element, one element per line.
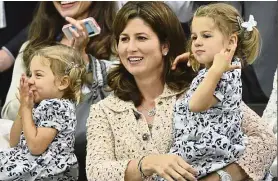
<point>249,24</point>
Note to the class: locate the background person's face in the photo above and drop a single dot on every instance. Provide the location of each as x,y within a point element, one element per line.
<point>73,9</point>
<point>140,50</point>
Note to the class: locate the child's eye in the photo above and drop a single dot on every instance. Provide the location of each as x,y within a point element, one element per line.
<point>38,75</point>
<point>206,36</point>
<point>193,37</point>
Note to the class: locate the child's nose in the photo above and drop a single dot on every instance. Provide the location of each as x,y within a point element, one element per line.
<point>198,42</point>
<point>31,81</point>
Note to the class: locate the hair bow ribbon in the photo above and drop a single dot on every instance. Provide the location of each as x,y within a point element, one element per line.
<point>249,24</point>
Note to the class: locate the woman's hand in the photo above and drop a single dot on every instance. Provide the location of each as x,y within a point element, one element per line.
<point>26,97</point>
<point>80,35</point>
<point>181,58</point>
<point>170,167</point>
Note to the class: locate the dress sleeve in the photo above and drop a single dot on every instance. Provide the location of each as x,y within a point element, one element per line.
<point>101,163</point>
<point>54,113</point>
<point>261,147</point>
<point>228,85</point>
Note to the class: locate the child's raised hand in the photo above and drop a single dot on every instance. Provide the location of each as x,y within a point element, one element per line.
<point>222,61</point>
<point>181,58</point>
<point>26,96</point>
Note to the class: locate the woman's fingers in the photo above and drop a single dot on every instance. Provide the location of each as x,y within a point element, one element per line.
<point>181,58</point>
<point>186,166</point>
<point>164,174</point>
<point>75,23</point>
<point>79,34</point>
<point>84,32</point>
<point>188,64</point>
<point>77,28</point>
<point>72,41</point>
<point>74,32</point>
<point>185,173</point>
<point>174,174</point>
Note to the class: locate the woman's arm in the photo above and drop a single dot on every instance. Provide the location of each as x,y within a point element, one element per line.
<point>261,148</point>
<point>270,112</point>
<point>11,106</point>
<point>101,163</point>
<point>236,172</point>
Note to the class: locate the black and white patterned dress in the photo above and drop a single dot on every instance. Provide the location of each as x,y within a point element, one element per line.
<point>211,139</point>
<point>58,162</point>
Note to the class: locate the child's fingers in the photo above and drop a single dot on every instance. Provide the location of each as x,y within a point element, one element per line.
<point>17,96</point>
<point>20,82</point>
<point>22,78</point>
<point>31,94</point>
<point>25,82</point>
<point>223,50</point>
<point>233,67</point>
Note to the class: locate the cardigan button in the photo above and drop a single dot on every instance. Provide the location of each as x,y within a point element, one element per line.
<point>145,137</point>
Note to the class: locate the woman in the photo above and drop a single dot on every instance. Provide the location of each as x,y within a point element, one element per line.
<point>130,132</point>
<point>45,30</point>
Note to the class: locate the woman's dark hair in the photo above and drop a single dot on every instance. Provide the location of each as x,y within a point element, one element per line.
<point>47,25</point>
<point>167,27</point>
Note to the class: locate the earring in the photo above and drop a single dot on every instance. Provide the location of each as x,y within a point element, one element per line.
<point>165,53</point>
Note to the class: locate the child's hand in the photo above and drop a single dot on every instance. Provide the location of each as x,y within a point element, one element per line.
<point>181,58</point>
<point>26,97</point>
<point>222,61</point>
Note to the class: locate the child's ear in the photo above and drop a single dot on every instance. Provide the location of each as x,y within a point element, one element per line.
<point>64,83</point>
<point>233,40</point>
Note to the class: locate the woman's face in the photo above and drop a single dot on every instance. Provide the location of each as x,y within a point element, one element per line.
<point>140,50</point>
<point>73,9</point>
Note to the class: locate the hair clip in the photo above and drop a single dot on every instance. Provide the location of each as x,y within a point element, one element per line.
<point>75,66</point>
<point>249,24</point>
<point>70,66</point>
<point>239,21</point>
